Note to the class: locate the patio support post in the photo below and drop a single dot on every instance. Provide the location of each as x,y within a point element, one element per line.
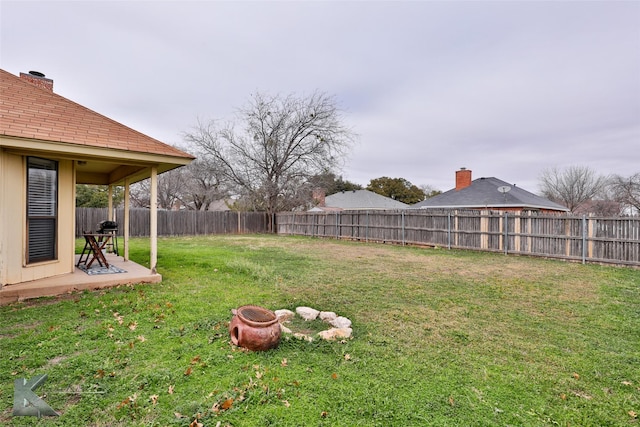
<point>153,220</point>
<point>110,200</point>
<point>125,226</point>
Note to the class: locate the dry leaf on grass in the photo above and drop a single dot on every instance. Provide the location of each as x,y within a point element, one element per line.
<point>582,394</point>
<point>124,403</point>
<point>227,404</point>
<point>119,318</point>
<point>219,407</point>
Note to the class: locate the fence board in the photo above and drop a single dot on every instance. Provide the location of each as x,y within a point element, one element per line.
<point>176,223</point>
<point>580,238</point>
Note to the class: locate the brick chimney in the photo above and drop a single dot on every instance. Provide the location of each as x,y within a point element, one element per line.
<point>38,79</point>
<point>319,197</point>
<point>463,179</point>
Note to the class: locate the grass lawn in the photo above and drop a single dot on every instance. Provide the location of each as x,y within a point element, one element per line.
<point>443,338</point>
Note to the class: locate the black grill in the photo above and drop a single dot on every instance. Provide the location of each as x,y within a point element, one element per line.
<point>110,227</point>
<point>107,226</point>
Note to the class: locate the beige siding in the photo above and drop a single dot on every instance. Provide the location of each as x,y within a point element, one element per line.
<point>3,203</point>
<point>13,267</point>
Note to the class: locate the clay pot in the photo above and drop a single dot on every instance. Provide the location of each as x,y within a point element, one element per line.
<point>254,328</point>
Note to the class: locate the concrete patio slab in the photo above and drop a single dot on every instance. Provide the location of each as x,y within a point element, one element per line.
<point>79,281</point>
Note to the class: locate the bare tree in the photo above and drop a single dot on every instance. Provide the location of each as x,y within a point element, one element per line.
<point>192,187</point>
<point>170,185</point>
<point>280,142</point>
<point>429,190</point>
<point>203,184</point>
<point>627,191</point>
<point>572,186</point>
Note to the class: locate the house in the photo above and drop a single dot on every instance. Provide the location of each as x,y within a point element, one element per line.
<point>488,193</point>
<point>48,144</point>
<point>355,200</point>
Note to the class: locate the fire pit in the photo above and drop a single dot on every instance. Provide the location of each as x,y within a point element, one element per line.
<point>254,328</point>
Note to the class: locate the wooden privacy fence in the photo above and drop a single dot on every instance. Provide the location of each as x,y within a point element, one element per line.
<point>176,223</point>
<point>581,238</point>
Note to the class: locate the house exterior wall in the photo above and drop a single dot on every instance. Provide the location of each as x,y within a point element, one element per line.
<point>13,236</point>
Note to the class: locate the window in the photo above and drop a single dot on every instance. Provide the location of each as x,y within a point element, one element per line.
<point>42,209</point>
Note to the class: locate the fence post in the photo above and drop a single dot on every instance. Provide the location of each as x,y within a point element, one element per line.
<point>516,231</point>
<point>584,238</point>
<point>366,230</point>
<point>449,230</point>
<point>506,232</point>
<point>590,235</point>
<point>403,237</point>
<point>337,225</point>
<point>484,229</point>
<point>567,236</point>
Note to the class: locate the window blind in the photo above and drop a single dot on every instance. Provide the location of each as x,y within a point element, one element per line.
<point>42,209</point>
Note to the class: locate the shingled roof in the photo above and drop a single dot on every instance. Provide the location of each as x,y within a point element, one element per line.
<point>483,193</point>
<point>29,111</point>
<point>360,199</point>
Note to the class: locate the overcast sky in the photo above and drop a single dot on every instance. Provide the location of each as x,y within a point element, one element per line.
<point>505,89</point>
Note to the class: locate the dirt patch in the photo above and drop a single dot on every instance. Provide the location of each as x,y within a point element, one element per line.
<point>311,327</point>
<point>56,360</point>
<point>45,301</point>
<point>7,336</point>
<point>16,330</point>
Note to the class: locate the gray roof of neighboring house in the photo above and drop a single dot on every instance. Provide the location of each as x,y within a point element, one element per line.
<point>361,199</point>
<point>483,193</point>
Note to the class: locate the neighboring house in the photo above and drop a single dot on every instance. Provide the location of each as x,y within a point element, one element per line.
<point>488,193</point>
<point>355,200</point>
<point>221,205</point>
<point>599,207</point>
<point>48,144</point>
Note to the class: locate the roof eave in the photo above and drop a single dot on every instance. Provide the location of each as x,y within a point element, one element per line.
<point>79,152</point>
<point>133,166</point>
<point>495,207</point>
